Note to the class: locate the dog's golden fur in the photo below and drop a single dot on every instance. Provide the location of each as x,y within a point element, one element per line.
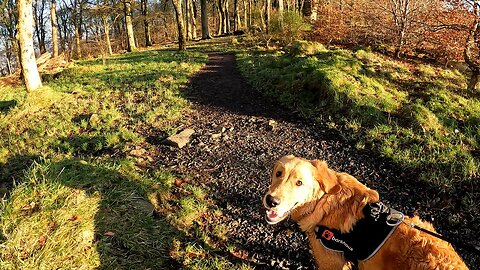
<point>313,194</point>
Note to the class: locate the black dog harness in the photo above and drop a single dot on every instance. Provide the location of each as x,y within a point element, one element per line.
<point>367,236</point>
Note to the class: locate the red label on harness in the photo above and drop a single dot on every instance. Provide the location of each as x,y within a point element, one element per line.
<point>327,234</point>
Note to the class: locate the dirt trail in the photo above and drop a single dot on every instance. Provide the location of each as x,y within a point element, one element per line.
<point>238,136</point>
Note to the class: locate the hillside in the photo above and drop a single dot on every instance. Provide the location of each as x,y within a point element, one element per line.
<point>87,181</point>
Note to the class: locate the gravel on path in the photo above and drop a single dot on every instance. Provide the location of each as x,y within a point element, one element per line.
<point>238,136</point>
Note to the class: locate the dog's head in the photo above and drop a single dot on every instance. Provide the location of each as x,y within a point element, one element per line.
<point>296,181</point>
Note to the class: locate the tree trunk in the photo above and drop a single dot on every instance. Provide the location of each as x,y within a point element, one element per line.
<point>16,49</point>
<point>193,20</point>
<point>268,8</point>
<point>313,10</point>
<point>9,66</point>
<point>76,29</point>
<point>236,17</point>
<point>60,35</point>
<point>471,45</point>
<point>146,24</point>
<point>401,42</point>
<point>53,17</point>
<point>8,56</point>
<point>249,12</point>
<point>127,8</point>
<point>280,9</point>
<point>226,19</point>
<point>39,26</point>
<point>31,77</point>
<point>182,37</point>
<point>245,15</point>
<point>106,31</point>
<point>204,15</point>
<point>474,82</point>
<point>220,17</point>
<point>187,20</point>
<point>77,41</point>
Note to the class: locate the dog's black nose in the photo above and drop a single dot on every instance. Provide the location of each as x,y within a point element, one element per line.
<point>272,201</point>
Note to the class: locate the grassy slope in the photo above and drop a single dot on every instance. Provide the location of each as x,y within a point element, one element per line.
<point>418,115</point>
<point>75,176</point>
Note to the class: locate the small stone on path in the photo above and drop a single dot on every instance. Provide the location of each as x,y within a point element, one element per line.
<point>272,123</point>
<point>181,139</point>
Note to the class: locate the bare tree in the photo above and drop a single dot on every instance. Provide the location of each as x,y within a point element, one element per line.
<point>187,20</point>
<point>53,20</point>
<point>146,24</point>
<point>76,20</point>
<point>405,15</point>
<point>281,9</point>
<point>471,52</point>
<point>192,11</point>
<point>237,22</point>
<point>268,11</point>
<point>108,12</point>
<point>245,13</point>
<point>182,36</point>
<point>204,15</point>
<point>31,77</point>
<point>40,25</point>
<point>223,15</point>
<point>127,5</point>
<point>8,25</point>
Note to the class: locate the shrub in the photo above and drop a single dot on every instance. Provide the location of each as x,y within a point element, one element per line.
<point>287,28</point>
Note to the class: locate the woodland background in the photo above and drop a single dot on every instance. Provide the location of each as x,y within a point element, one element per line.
<point>435,30</point>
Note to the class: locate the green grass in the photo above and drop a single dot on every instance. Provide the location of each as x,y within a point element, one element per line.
<point>419,116</point>
<point>77,186</point>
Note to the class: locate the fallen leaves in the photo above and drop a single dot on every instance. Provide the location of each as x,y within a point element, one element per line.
<point>73,218</point>
<point>179,182</point>
<point>42,240</point>
<point>30,208</point>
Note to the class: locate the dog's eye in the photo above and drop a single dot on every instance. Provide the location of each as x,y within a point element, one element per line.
<point>299,183</point>
<point>278,174</point>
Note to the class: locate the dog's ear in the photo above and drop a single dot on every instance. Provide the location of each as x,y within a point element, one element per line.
<point>326,177</point>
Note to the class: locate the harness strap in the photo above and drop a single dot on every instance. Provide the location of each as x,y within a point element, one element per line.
<point>468,246</point>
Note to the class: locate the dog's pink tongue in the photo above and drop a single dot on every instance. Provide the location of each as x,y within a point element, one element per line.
<point>271,214</point>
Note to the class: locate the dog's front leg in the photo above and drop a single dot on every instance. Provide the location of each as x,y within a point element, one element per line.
<point>327,259</point>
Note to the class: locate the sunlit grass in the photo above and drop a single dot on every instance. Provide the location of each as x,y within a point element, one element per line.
<point>74,193</point>
<point>420,116</point>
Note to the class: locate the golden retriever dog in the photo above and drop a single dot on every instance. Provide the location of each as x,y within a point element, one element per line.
<point>314,195</point>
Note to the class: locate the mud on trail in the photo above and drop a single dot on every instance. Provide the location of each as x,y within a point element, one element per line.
<point>238,135</point>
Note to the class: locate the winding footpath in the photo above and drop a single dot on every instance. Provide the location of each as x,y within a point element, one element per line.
<point>239,134</point>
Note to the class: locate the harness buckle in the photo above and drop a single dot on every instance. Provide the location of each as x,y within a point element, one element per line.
<point>395,218</point>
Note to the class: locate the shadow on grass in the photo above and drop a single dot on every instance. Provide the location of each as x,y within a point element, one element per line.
<point>127,233</point>
<point>12,171</point>
<point>85,145</point>
<point>7,105</point>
